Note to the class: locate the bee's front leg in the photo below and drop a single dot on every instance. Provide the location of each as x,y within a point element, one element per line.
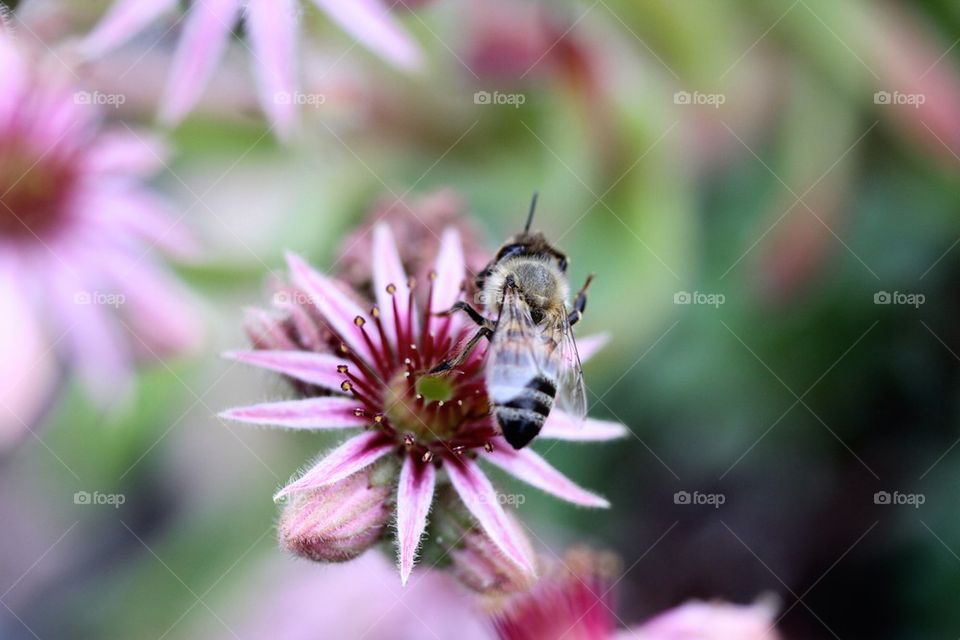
<point>447,365</point>
<point>475,315</point>
<point>579,303</point>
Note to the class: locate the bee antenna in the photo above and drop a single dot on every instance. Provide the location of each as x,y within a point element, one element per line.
<point>533,208</point>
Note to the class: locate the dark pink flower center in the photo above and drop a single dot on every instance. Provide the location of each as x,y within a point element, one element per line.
<point>35,189</point>
<point>428,414</point>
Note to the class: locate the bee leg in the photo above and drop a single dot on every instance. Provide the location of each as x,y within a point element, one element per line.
<point>470,311</point>
<point>579,303</point>
<point>453,363</point>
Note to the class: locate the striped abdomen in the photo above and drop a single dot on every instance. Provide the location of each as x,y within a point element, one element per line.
<point>521,407</point>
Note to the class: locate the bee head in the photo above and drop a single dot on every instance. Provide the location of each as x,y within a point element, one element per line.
<point>531,243</point>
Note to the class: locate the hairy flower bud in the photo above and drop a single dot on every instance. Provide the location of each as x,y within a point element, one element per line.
<point>339,521</point>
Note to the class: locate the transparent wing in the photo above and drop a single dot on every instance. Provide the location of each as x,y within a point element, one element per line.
<point>571,393</point>
<point>512,359</point>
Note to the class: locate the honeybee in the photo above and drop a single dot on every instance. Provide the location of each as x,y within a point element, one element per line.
<point>532,360</point>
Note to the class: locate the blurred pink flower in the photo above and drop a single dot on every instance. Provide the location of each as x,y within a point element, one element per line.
<point>377,373</point>
<point>571,601</point>
<point>574,600</point>
<point>271,27</point>
<point>294,601</point>
<point>709,621</point>
<point>77,230</point>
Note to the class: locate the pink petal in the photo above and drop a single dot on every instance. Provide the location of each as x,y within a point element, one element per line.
<point>350,457</point>
<point>204,40</point>
<point>272,30</point>
<point>711,621</point>
<point>372,23</point>
<point>139,213</point>
<point>588,346</point>
<point>14,75</point>
<point>124,153</point>
<point>124,20</point>
<point>414,496</point>
<point>310,413</point>
<point>265,329</point>
<point>534,470</point>
<point>28,368</point>
<point>158,308</point>
<point>388,270</point>
<point>96,341</point>
<point>451,271</point>
<point>304,326</point>
<point>480,498</point>
<point>316,368</point>
<point>562,426</point>
<point>338,310</point>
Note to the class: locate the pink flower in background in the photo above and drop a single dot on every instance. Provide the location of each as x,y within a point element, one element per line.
<point>294,601</point>
<point>77,231</point>
<point>709,621</point>
<point>373,376</point>
<point>574,599</point>
<point>272,28</point>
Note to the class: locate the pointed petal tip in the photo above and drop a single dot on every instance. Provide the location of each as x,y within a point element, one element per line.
<point>588,346</point>
<point>293,258</point>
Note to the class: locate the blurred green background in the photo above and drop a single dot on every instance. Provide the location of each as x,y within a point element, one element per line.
<point>778,181</point>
